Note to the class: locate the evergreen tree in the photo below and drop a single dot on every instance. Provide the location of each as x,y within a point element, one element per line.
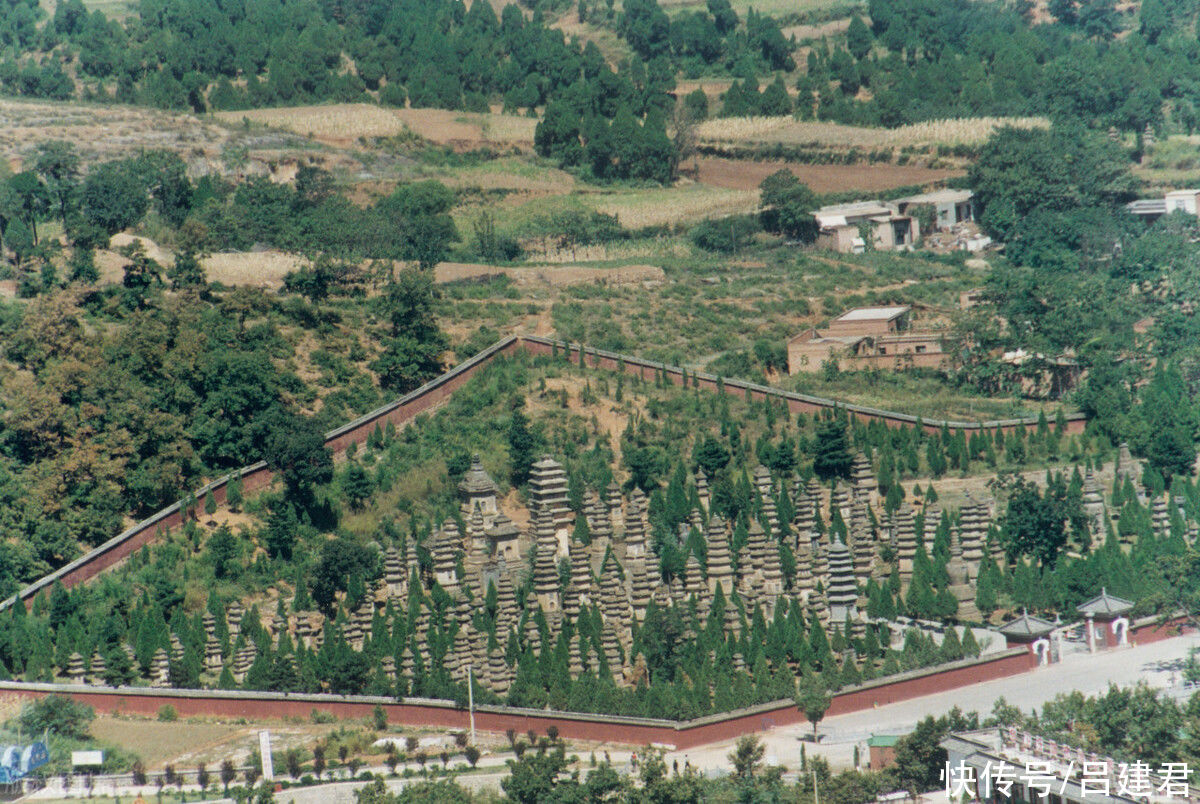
<point>832,458</point>
<point>522,445</point>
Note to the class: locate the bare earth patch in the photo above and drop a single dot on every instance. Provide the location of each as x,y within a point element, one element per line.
<point>344,123</point>
<point>735,174</point>
<point>104,132</point>
<point>556,275</point>
<point>158,743</point>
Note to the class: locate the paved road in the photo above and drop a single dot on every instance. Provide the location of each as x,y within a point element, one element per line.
<point>1158,664</point>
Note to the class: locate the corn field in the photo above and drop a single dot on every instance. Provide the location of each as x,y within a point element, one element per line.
<point>965,131</point>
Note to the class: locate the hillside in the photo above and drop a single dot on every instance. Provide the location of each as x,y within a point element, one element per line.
<point>413,558</point>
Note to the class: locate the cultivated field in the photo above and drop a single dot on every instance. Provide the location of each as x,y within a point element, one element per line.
<point>512,174</point>
<point>553,275</point>
<point>787,131</point>
<point>775,8</point>
<point>743,175</point>
<point>346,123</point>
<point>104,132</point>
<point>660,206</point>
<point>832,28</point>
<point>1171,163</point>
<point>612,46</point>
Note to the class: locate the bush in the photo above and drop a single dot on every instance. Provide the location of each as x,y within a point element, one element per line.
<point>167,714</point>
<point>725,236</point>
<point>318,716</point>
<point>393,95</point>
<point>58,714</point>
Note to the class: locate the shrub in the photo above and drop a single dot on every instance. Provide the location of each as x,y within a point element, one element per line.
<point>167,714</point>
<point>58,714</point>
<point>726,235</point>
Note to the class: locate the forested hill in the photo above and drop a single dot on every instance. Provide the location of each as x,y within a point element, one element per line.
<point>204,54</point>
<point>899,61</point>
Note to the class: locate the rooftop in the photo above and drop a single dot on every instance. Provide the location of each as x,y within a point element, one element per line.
<point>856,208</point>
<point>1026,626</point>
<point>946,196</point>
<point>476,481</point>
<point>873,313</point>
<point>1105,604</point>
<point>1147,206</point>
<point>882,740</point>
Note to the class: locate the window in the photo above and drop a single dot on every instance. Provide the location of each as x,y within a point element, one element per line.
<point>920,349</point>
<point>883,350</point>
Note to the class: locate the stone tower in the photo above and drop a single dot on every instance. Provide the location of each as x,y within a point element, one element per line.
<point>548,492</point>
<point>841,592</point>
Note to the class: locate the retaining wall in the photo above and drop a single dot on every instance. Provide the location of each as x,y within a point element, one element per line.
<point>578,726</point>
<point>434,393</point>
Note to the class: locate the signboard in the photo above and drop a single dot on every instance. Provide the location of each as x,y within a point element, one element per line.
<point>264,748</point>
<point>87,759</point>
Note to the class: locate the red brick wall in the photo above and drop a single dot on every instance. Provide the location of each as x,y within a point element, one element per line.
<point>1147,630</point>
<point>646,369</point>
<point>867,697</point>
<point>499,719</point>
<point>257,476</point>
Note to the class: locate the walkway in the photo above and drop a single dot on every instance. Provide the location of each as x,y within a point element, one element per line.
<point>1159,664</point>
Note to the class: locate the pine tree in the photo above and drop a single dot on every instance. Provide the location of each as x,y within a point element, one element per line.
<point>832,457</point>
<point>951,647</point>
<point>858,38</point>
<point>233,493</point>
<point>522,446</point>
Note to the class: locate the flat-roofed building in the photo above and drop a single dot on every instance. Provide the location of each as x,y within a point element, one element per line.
<point>867,337</point>
<point>870,321</point>
<point>951,207</point>
<point>842,227</point>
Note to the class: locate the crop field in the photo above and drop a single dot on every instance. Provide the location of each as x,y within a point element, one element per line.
<point>635,208</point>
<point>745,175</point>
<point>347,123</point>
<point>612,47</point>
<point>340,123</point>
<point>1170,163</point>
<point>511,173</point>
<point>104,132</point>
<point>825,9</point>
<point>833,28</point>
<point>113,9</point>
<point>787,131</point>
<point>659,206</point>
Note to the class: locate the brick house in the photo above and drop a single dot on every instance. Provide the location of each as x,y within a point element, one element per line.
<point>867,337</point>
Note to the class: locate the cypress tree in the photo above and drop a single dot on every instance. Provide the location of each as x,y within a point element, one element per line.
<point>951,647</point>
<point>234,491</point>
<point>969,646</point>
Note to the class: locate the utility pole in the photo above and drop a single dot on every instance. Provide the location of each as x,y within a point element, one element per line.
<point>471,699</point>
<point>816,796</point>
